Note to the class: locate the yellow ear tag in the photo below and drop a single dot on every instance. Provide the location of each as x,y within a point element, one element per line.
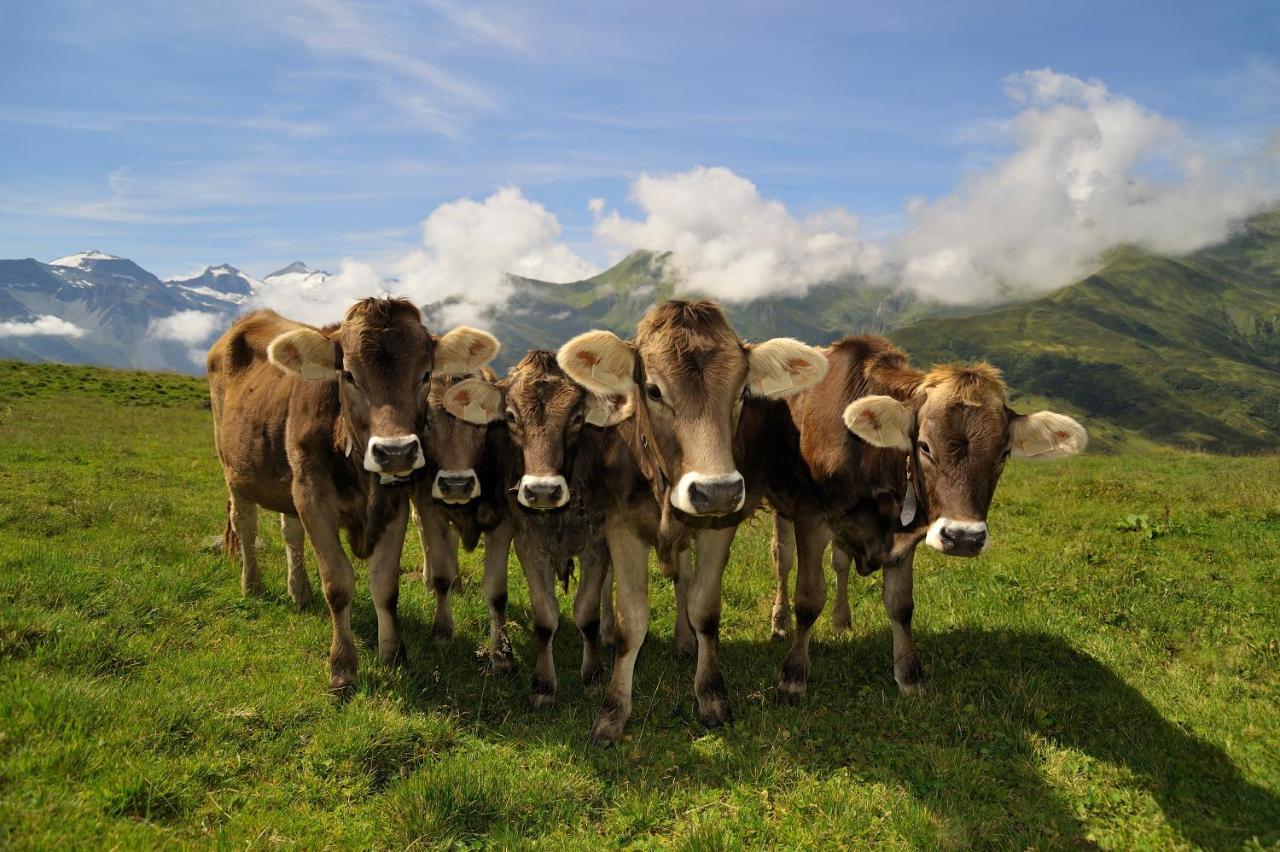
<point>604,377</point>
<point>597,415</point>
<point>1036,446</point>
<point>454,367</point>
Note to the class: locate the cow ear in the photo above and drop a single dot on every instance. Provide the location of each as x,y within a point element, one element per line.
<point>782,367</point>
<point>465,350</point>
<point>475,401</point>
<point>881,421</point>
<point>305,352</point>
<point>605,411</point>
<point>1046,435</point>
<point>599,361</point>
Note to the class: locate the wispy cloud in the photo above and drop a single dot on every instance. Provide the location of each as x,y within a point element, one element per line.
<point>480,26</point>
<point>109,122</point>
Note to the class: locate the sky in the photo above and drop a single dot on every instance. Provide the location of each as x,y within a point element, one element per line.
<point>961,148</point>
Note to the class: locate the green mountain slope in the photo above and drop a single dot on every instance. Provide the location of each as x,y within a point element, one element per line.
<point>541,315</point>
<point>1181,350</point>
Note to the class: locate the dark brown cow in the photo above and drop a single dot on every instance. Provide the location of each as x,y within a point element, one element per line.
<point>672,469</point>
<point>312,423</point>
<point>893,456</point>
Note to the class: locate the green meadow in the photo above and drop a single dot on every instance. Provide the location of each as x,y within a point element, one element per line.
<point>1107,674</point>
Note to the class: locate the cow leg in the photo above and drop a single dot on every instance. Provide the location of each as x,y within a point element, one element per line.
<point>811,592</point>
<point>840,560</point>
<point>294,539</point>
<point>606,604</point>
<point>540,574</point>
<point>497,546</point>
<point>704,612</point>
<point>441,569</point>
<point>630,557</point>
<point>384,585</point>
<point>339,582</point>
<point>783,550</point>
<point>244,523</point>
<point>900,605</point>
<point>686,641</point>
<point>586,608</point>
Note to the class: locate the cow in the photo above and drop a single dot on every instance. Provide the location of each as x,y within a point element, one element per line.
<point>671,469</point>
<point>320,425</point>
<point>459,499</point>
<point>892,456</point>
<point>541,463</point>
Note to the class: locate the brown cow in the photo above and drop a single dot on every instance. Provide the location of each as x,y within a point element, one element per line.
<point>313,423</point>
<point>672,469</point>
<point>894,455</point>
<point>459,499</point>
<point>543,466</point>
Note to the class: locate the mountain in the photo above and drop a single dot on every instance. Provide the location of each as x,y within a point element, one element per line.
<point>541,315</point>
<point>1180,350</point>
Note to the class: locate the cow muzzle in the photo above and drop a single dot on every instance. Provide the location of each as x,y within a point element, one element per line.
<point>542,492</point>
<point>958,538</point>
<point>456,486</point>
<point>397,457</point>
<point>699,494</point>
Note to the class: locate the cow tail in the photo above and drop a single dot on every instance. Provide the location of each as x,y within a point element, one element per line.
<point>230,541</point>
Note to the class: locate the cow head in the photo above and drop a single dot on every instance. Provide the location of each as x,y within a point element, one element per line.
<point>688,372</point>
<point>381,357</point>
<point>546,412</point>
<point>459,411</point>
<point>958,433</point>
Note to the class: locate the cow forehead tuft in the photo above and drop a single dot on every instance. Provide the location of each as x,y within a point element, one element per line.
<point>974,385</point>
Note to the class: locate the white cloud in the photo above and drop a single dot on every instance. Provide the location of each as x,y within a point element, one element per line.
<point>468,246</point>
<point>189,327</point>
<point>732,243</point>
<point>45,325</point>
<point>1090,169</point>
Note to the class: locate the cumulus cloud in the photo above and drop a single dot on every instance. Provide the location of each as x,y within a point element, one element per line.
<point>731,243</point>
<point>1089,170</point>
<point>45,325</point>
<point>468,247</point>
<point>189,327</point>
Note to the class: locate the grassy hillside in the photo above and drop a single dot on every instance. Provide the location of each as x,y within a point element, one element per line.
<point>1184,351</point>
<point>1107,674</point>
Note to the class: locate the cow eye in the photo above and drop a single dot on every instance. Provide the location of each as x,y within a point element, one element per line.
<point>653,392</point>
<point>1004,457</point>
<point>426,377</point>
<point>511,416</point>
<point>924,448</point>
<point>348,377</point>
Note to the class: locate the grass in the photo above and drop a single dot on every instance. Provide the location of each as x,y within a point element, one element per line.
<point>1107,674</point>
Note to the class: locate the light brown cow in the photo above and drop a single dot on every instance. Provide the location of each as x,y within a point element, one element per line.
<point>894,456</point>
<point>672,469</point>
<point>316,424</point>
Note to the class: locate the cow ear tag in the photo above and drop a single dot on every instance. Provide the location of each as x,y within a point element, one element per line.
<point>350,446</point>
<point>775,384</point>
<point>909,499</point>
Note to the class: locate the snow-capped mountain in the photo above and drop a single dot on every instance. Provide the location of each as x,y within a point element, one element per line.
<point>298,275</point>
<point>97,308</point>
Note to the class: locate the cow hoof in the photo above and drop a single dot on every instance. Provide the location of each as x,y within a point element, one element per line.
<point>686,649</point>
<point>538,700</point>
<point>302,600</point>
<point>913,688</point>
<point>502,665</point>
<point>254,590</point>
<point>394,657</point>
<point>841,625</point>
<point>606,732</point>
<point>909,675</point>
<point>781,623</point>
<point>790,692</point>
<point>715,710</point>
<point>541,691</point>
<point>442,634</point>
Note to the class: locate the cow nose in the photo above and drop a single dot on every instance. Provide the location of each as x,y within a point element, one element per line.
<point>542,492</point>
<point>395,455</point>
<point>963,539</point>
<point>716,495</point>
<point>455,486</point>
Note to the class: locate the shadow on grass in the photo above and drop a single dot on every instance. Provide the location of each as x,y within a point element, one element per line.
<point>973,749</point>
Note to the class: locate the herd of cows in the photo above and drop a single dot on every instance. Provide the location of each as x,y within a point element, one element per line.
<point>604,451</point>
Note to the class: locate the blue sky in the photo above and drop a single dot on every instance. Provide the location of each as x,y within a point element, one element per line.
<point>259,132</point>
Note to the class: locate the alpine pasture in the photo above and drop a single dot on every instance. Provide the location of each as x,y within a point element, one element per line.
<point>1107,674</point>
